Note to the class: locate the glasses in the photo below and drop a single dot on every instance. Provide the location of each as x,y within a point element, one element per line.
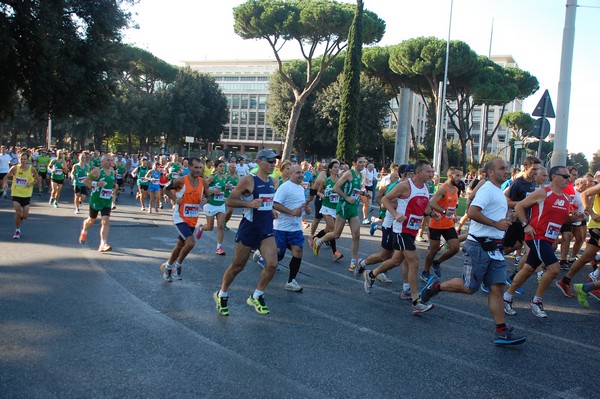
<point>271,161</point>
<point>566,176</point>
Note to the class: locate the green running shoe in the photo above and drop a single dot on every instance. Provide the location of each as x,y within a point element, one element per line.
<point>221,302</point>
<point>259,304</point>
<point>581,295</point>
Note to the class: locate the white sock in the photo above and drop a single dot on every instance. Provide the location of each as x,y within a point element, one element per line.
<point>508,297</point>
<point>219,245</point>
<point>405,286</point>
<point>537,299</point>
<point>222,294</point>
<point>257,293</point>
<point>177,264</point>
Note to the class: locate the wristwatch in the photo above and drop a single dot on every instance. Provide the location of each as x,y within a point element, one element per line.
<point>444,212</point>
<point>524,224</point>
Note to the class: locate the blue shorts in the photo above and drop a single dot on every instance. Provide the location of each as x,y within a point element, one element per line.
<point>285,239</point>
<point>540,251</point>
<point>480,268</point>
<point>387,239</point>
<point>251,235</point>
<point>154,188</point>
<point>185,230</point>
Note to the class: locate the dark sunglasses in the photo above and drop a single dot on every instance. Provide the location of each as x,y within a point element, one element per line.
<point>271,161</point>
<point>567,176</point>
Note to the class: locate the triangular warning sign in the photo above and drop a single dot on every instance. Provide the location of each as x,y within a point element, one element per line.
<point>544,107</point>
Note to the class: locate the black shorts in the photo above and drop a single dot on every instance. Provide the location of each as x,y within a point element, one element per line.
<point>404,242</point>
<point>2,175</point>
<point>23,201</point>
<point>318,205</point>
<point>58,181</point>
<point>594,237</point>
<point>540,251</point>
<point>514,234</point>
<point>83,190</point>
<point>103,212</point>
<point>566,228</point>
<point>448,234</point>
<point>120,182</point>
<point>43,175</point>
<point>143,187</point>
<point>387,239</point>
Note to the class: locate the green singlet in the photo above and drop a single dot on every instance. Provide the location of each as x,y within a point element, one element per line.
<point>101,197</point>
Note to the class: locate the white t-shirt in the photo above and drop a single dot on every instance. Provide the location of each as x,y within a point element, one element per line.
<point>290,195</point>
<point>368,177</point>
<point>493,204</point>
<point>242,169</point>
<point>5,161</point>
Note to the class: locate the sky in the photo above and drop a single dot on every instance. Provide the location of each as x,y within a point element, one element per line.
<point>529,30</point>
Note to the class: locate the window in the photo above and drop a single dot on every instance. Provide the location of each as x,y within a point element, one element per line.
<point>243,133</point>
<point>253,101</point>
<point>234,133</point>
<point>262,102</point>
<point>261,118</point>
<point>269,134</point>
<point>231,78</point>
<point>501,138</point>
<point>235,117</point>
<point>245,101</point>
<point>251,133</point>
<point>252,118</point>
<point>260,134</point>
<point>247,78</point>
<point>225,134</point>
<point>236,101</point>
<point>243,117</point>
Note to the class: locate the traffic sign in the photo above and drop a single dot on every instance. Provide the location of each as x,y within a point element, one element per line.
<point>518,144</point>
<point>189,139</point>
<point>544,107</point>
<point>541,128</point>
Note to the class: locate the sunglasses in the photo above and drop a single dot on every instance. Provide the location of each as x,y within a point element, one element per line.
<point>271,161</point>
<point>567,176</point>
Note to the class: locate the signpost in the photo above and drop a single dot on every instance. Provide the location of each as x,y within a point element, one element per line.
<point>541,128</point>
<point>189,140</point>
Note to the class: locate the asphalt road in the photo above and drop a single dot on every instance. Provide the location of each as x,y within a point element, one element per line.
<point>77,323</point>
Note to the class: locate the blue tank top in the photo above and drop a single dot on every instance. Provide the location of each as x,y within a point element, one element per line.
<point>262,217</point>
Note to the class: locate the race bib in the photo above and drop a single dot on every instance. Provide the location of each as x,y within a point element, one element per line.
<point>450,212</point>
<point>334,198</point>
<point>496,255</point>
<point>552,231</point>
<point>119,176</point>
<point>58,172</point>
<point>267,202</point>
<point>355,193</point>
<point>105,193</point>
<point>219,197</point>
<point>42,166</point>
<point>81,179</point>
<point>414,222</point>
<point>191,210</point>
<point>155,181</point>
<point>175,175</point>
<point>20,181</point>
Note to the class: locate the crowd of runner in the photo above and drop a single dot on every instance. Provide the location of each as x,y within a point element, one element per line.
<point>527,215</point>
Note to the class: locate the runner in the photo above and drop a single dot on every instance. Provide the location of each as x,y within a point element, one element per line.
<point>484,261</point>
<point>79,174</point>
<point>57,167</point>
<point>412,203</point>
<point>102,182</point>
<point>42,167</point>
<point>120,169</point>
<point>348,187</point>
<point>186,192</point>
<point>232,181</point>
<point>5,165</point>
<point>254,193</point>
<point>290,202</point>
<point>24,177</point>
<point>444,202</point>
<point>142,182</point>
<point>154,188</point>
<point>216,185</point>
<point>324,187</point>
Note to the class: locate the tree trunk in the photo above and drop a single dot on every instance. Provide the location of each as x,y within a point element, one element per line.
<point>292,124</point>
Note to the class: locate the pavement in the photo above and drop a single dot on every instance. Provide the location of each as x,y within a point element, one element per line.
<point>78,323</point>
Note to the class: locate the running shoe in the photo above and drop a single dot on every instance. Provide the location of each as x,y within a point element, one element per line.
<point>519,291</point>
<point>51,201</point>
<point>149,210</point>
<point>112,208</point>
<point>221,302</point>
<point>436,268</point>
<point>383,278</point>
<point>592,277</point>
<point>373,228</point>
<point>311,241</point>
<point>166,272</point>
<point>508,308</point>
<point>178,272</point>
<point>258,304</point>
<point>564,265</point>
<point>352,267</point>
<point>262,263</point>
<point>82,237</point>
<point>337,255</point>
<point>220,251</point>
<point>293,286</point>
<point>156,210</point>
<point>17,235</point>
<point>225,228</point>
<point>143,209</point>
<point>366,221</point>
<point>56,204</point>
<point>422,239</point>
<point>581,295</point>
<point>429,291</point>
<point>537,308</point>
<point>425,276</point>
<point>76,211</point>
<point>507,338</point>
<point>367,281</point>
<point>317,247</point>
<point>406,295</point>
<point>161,206</point>
<point>485,288</point>
<point>305,225</point>
<point>564,288</point>
<point>421,308</point>
<point>104,247</point>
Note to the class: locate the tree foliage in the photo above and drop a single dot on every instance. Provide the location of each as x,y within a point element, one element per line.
<point>350,105</point>
<point>579,161</point>
<point>319,27</point>
<point>595,163</point>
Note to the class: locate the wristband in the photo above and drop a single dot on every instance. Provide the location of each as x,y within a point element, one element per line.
<point>94,184</point>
